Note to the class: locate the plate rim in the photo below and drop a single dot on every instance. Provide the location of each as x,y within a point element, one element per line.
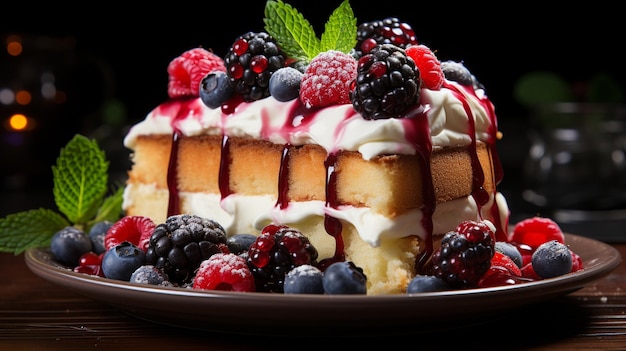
<point>290,307</point>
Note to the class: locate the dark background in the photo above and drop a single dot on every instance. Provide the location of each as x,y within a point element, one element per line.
<point>112,62</point>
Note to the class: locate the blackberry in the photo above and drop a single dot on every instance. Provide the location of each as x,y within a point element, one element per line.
<point>250,62</point>
<point>276,251</point>
<point>388,31</point>
<point>465,254</point>
<point>179,245</point>
<point>387,83</point>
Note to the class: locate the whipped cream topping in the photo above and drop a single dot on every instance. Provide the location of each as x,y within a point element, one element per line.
<point>454,112</point>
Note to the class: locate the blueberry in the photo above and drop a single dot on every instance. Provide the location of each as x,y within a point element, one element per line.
<point>552,259</point>
<point>284,84</point>
<point>509,250</point>
<point>426,283</point>
<point>97,233</point>
<point>457,72</point>
<point>344,278</point>
<point>148,274</point>
<point>120,261</point>
<point>68,244</point>
<point>304,279</point>
<point>240,243</point>
<point>215,89</point>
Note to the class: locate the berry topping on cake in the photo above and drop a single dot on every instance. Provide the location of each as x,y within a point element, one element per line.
<point>387,83</point>
<point>179,245</point>
<point>215,89</point>
<point>134,229</point>
<point>226,272</point>
<point>388,31</point>
<point>428,65</point>
<point>285,84</point>
<point>465,254</point>
<point>187,70</point>
<point>276,251</point>
<point>457,72</point>
<point>327,79</point>
<point>250,62</point>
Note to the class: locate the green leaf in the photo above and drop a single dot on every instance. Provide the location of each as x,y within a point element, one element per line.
<point>80,179</point>
<point>23,230</point>
<point>340,31</point>
<point>538,88</point>
<point>292,32</point>
<point>111,208</point>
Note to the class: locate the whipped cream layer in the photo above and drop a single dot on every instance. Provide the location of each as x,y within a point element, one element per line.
<point>455,115</point>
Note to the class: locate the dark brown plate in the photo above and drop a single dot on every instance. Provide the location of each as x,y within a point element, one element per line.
<point>265,313</point>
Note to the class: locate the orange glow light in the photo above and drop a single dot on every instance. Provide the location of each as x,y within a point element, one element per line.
<point>14,45</point>
<point>18,121</point>
<point>23,97</point>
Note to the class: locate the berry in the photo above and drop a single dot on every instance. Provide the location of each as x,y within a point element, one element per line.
<point>240,243</point>
<point>387,83</point>
<point>456,71</point>
<point>215,89</point>
<point>428,65</point>
<point>327,79</point>
<point>226,272</point>
<point>276,251</point>
<point>134,229</point>
<point>344,278</point>
<point>97,234</point>
<point>465,254</point>
<point>388,31</point>
<point>120,261</point>
<point>179,245</point>
<point>187,70</point>
<point>426,283</point>
<point>305,279</point>
<point>147,274</point>
<point>285,84</point>
<point>552,259</point>
<point>511,251</point>
<point>250,62</point>
<point>90,263</point>
<point>69,244</point>
<point>535,231</point>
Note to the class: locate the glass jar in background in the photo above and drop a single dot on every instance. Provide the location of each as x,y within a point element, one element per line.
<point>575,169</point>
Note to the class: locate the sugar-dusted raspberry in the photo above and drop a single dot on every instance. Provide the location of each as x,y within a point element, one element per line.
<point>535,231</point>
<point>187,70</point>
<point>226,272</point>
<point>327,79</point>
<point>134,229</point>
<point>428,65</point>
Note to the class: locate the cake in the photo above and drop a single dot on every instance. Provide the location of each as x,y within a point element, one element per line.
<point>375,187</point>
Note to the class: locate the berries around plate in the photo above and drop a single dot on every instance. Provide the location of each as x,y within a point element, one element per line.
<point>344,278</point>
<point>552,259</point>
<point>69,244</point>
<point>226,272</point>
<point>148,274</point>
<point>120,261</point>
<point>426,283</point>
<point>304,279</point>
<point>97,233</point>
<point>134,229</point>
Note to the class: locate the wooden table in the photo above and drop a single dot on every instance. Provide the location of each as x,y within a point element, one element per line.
<point>38,315</point>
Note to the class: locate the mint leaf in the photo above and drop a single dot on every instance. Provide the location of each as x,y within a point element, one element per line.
<point>111,209</point>
<point>80,179</point>
<point>292,32</point>
<point>341,30</point>
<point>23,230</point>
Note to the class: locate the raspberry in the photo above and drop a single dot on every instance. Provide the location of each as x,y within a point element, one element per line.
<point>327,79</point>
<point>428,65</point>
<point>276,251</point>
<point>134,229</point>
<point>388,31</point>
<point>387,83</point>
<point>535,231</point>
<point>187,70</point>
<point>226,272</point>
<point>465,254</point>
<point>179,245</point>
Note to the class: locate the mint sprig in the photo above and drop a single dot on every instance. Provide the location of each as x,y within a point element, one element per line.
<point>80,185</point>
<point>296,36</point>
